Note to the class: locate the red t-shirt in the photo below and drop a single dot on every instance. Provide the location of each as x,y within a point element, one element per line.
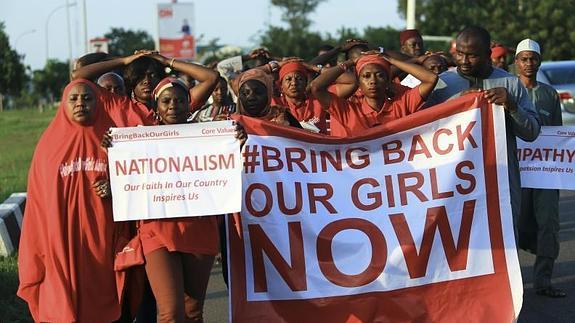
<point>355,115</point>
<point>311,111</point>
<point>198,235</point>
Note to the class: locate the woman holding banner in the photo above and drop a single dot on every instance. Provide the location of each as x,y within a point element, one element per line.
<point>165,241</point>
<point>179,252</point>
<point>68,242</point>
<point>382,100</point>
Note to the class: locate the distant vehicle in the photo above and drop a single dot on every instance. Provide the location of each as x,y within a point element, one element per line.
<point>561,76</point>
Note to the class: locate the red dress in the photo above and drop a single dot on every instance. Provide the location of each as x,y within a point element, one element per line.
<point>67,246</point>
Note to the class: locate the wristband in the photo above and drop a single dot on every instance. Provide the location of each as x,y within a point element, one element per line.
<point>274,66</point>
<point>172,63</point>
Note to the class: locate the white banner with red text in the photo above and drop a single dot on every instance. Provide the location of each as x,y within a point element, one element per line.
<point>548,162</point>
<point>175,171</point>
<point>409,222</point>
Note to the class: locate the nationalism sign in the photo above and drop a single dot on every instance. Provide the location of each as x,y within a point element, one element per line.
<point>409,222</point>
<point>548,162</point>
<point>175,171</point>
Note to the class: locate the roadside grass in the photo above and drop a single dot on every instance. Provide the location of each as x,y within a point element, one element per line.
<point>19,132</point>
<point>12,308</point>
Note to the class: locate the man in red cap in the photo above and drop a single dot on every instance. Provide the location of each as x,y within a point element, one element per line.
<point>411,42</point>
<point>499,57</point>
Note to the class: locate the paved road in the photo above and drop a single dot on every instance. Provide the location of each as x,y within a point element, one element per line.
<point>536,309</point>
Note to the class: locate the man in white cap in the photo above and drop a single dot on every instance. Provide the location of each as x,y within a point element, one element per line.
<point>475,72</point>
<point>538,223</point>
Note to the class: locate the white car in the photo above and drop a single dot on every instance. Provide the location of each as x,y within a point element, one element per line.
<point>561,76</point>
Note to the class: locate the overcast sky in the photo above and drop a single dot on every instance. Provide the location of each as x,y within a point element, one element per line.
<point>233,22</point>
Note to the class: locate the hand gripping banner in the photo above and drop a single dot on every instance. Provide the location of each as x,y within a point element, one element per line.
<point>409,222</point>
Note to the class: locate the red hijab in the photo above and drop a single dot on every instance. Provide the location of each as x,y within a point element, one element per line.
<point>498,51</point>
<point>66,254</point>
<point>373,59</point>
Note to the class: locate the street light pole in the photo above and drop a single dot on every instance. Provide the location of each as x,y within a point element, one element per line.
<point>410,14</point>
<point>85,29</point>
<point>48,21</point>
<point>27,32</point>
<point>69,35</point>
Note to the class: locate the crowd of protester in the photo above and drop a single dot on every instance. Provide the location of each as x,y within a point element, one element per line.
<point>69,239</point>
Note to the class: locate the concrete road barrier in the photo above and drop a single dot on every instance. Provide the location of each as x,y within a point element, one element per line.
<point>11,213</point>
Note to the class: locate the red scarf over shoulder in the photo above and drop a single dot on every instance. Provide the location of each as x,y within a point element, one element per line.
<point>66,254</point>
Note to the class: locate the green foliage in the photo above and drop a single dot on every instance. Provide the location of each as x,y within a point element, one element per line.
<point>298,40</point>
<point>285,42</point>
<point>50,81</point>
<point>295,12</point>
<point>12,71</point>
<point>549,22</point>
<point>342,34</point>
<point>387,37</point>
<point>124,42</point>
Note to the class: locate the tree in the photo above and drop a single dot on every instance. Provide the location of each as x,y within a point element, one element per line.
<point>548,22</point>
<point>124,42</point>
<point>342,34</point>
<point>551,24</point>
<point>12,70</point>
<point>295,12</point>
<point>50,81</point>
<point>284,42</point>
<point>387,37</point>
<point>296,40</point>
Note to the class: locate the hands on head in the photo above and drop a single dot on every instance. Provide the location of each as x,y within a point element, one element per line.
<point>260,52</point>
<point>350,43</point>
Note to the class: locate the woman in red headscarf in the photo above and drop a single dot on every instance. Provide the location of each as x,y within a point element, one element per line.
<point>255,93</point>
<point>293,76</point>
<point>179,252</point>
<point>67,247</point>
<point>293,81</point>
<point>381,102</point>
